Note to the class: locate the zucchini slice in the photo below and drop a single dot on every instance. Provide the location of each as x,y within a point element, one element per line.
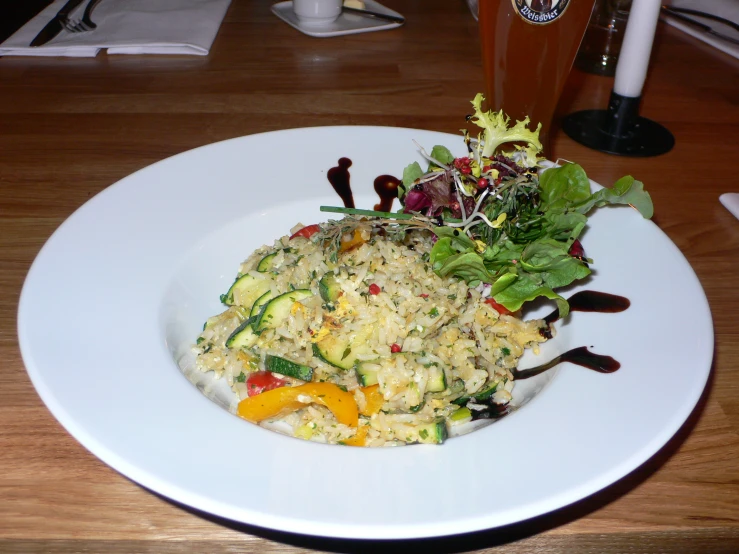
<point>257,306</point>
<point>266,263</point>
<point>366,373</point>
<point>486,392</point>
<point>329,288</point>
<point>462,415</point>
<point>286,367</point>
<point>343,353</point>
<point>417,407</point>
<point>245,290</point>
<point>433,433</point>
<point>243,336</point>
<point>277,310</point>
<point>437,379</point>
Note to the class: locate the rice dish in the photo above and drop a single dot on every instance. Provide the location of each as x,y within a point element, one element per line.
<point>345,335</point>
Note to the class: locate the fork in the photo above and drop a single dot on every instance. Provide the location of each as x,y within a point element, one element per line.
<point>84,24</point>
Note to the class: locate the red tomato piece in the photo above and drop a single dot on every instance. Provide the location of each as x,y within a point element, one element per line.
<point>576,250</point>
<point>395,348</point>
<point>502,310</point>
<point>463,165</point>
<point>374,289</point>
<point>306,232</point>
<point>262,381</point>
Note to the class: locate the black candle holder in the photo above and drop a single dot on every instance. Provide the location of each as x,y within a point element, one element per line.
<point>619,129</point>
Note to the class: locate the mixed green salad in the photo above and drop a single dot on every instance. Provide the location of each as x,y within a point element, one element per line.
<point>504,216</point>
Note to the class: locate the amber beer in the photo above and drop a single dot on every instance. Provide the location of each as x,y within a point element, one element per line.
<point>528,47</point>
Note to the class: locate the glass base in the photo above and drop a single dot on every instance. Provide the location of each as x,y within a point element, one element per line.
<point>646,138</point>
<point>619,129</point>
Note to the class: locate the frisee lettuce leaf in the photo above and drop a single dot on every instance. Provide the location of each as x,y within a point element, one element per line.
<point>497,132</point>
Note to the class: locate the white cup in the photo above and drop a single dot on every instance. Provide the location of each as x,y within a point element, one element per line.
<point>316,13</point>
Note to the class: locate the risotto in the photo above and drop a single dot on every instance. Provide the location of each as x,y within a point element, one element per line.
<point>343,334</point>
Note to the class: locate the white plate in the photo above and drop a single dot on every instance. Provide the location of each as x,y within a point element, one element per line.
<point>123,286</point>
<point>346,24</point>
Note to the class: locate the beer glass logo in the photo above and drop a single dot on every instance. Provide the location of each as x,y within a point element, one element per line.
<point>540,12</point>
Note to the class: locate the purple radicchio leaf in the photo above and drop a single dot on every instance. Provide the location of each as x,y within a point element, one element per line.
<point>416,201</point>
<point>432,196</point>
<point>502,163</point>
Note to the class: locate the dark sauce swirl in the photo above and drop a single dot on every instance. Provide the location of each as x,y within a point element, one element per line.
<point>584,301</point>
<point>592,301</point>
<point>588,301</point>
<point>340,179</point>
<point>580,356</point>
<point>386,186</point>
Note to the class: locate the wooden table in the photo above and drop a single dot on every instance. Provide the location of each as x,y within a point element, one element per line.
<point>71,127</point>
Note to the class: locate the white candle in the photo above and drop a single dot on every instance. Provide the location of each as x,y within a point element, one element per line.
<point>631,70</point>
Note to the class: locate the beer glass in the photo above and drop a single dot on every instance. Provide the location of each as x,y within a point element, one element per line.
<point>602,43</point>
<point>528,47</point>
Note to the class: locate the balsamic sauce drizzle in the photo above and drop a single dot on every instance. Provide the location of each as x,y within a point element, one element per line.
<point>583,301</point>
<point>592,301</point>
<point>339,178</point>
<point>580,356</point>
<point>386,186</point>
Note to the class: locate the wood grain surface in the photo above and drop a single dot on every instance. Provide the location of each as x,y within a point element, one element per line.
<point>71,127</point>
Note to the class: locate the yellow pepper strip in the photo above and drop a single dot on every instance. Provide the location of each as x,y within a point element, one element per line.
<point>285,399</point>
<point>374,398</point>
<point>347,243</point>
<point>373,402</point>
<point>359,439</point>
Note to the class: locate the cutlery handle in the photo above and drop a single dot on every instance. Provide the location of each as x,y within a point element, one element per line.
<point>376,15</point>
<point>676,12</point>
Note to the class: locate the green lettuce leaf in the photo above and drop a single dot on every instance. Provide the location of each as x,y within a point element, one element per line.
<point>456,254</point>
<point>565,226</point>
<point>451,257</point>
<point>503,282</point>
<point>459,240</point>
<point>567,188</point>
<point>410,174</point>
<point>565,185</point>
<point>626,190</point>
<point>523,290</point>
<point>554,266</point>
<point>442,154</point>
<point>466,265</point>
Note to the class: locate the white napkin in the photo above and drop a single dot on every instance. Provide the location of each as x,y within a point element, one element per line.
<point>730,200</point>
<point>728,9</point>
<point>127,27</point>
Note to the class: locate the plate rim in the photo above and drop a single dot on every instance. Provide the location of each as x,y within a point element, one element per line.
<point>403,531</point>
